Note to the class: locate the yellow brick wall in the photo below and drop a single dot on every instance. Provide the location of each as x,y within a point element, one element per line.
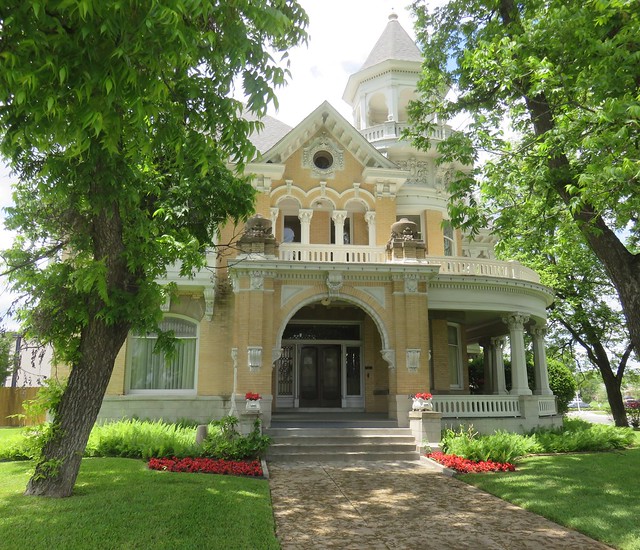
<point>320,229</point>
<point>385,218</point>
<point>434,238</point>
<point>360,229</point>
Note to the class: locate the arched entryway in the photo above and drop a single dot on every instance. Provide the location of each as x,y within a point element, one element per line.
<point>331,360</point>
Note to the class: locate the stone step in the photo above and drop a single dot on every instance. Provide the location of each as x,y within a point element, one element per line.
<point>338,432</point>
<point>352,456</point>
<point>319,444</point>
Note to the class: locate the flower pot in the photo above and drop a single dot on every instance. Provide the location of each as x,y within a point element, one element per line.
<point>422,404</point>
<point>253,405</point>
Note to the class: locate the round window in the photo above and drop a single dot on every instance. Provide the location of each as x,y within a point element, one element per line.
<point>323,160</point>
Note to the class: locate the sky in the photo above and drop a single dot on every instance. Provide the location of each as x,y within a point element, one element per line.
<point>341,35</point>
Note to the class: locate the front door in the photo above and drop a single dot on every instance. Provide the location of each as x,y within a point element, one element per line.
<point>320,376</point>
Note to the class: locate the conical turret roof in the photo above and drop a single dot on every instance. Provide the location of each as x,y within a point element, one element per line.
<point>394,43</point>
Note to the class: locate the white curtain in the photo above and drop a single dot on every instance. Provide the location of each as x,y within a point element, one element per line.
<point>153,371</point>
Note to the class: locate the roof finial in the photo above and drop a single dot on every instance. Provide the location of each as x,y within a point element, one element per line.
<point>393,16</point>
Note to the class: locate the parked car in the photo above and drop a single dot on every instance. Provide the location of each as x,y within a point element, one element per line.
<point>630,401</point>
<point>578,404</point>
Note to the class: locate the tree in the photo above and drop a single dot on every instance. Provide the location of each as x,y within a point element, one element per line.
<point>542,236</point>
<point>561,75</point>
<point>6,357</point>
<point>118,119</point>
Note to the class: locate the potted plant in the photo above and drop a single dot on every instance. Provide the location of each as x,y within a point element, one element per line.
<point>253,401</point>
<point>422,402</point>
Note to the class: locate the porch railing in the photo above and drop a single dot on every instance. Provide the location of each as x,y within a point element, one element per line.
<point>297,252</point>
<point>454,406</point>
<point>546,405</point>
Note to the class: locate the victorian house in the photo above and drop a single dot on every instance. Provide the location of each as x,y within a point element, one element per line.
<point>348,290</point>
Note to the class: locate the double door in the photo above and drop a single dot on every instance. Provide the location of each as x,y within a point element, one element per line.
<point>321,375</point>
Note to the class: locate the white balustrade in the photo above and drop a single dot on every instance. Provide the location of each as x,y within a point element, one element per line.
<point>468,406</point>
<point>296,252</point>
<point>546,405</point>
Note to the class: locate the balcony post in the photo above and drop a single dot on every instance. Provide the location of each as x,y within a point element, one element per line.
<point>305,215</point>
<point>370,218</point>
<point>519,384</point>
<point>497,349</point>
<point>540,361</point>
<point>338,217</point>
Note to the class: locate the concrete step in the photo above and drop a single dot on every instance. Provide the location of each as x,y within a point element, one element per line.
<point>341,444</point>
<point>352,456</point>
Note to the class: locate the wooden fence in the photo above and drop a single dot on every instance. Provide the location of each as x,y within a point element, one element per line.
<point>11,400</point>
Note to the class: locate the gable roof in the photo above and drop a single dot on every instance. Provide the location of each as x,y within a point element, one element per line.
<point>394,43</point>
<point>327,117</point>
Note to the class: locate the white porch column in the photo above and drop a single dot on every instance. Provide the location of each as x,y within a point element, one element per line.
<point>370,218</point>
<point>489,366</point>
<point>338,217</point>
<point>540,361</point>
<point>497,362</point>
<point>519,383</point>
<point>305,215</point>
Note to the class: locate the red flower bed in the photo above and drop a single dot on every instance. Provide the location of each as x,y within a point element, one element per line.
<point>207,466</point>
<point>466,466</point>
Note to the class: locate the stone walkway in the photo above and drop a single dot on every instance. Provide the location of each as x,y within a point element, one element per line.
<point>411,505</point>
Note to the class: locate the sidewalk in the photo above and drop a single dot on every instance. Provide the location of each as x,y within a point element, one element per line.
<point>401,505</point>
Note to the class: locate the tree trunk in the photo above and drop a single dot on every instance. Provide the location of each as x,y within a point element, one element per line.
<point>55,474</point>
<point>614,396</point>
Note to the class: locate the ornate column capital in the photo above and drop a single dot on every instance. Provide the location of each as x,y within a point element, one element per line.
<point>499,342</point>
<point>539,331</point>
<point>515,320</point>
<point>338,216</point>
<point>370,217</point>
<point>305,215</point>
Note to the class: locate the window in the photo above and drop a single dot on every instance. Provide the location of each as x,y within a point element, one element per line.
<point>449,248</point>
<point>455,356</point>
<point>154,371</point>
<point>291,229</point>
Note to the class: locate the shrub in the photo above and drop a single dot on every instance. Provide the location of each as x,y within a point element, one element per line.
<point>500,446</point>
<point>226,443</point>
<point>578,435</point>
<point>633,414</point>
<point>562,384</point>
<point>141,439</point>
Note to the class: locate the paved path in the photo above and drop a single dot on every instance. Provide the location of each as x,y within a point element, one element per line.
<point>401,506</point>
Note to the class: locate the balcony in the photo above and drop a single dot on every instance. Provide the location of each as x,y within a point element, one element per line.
<point>296,252</point>
<point>393,130</point>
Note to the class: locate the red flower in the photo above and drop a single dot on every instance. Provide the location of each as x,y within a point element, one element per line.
<point>466,466</point>
<point>207,466</point>
<point>423,396</point>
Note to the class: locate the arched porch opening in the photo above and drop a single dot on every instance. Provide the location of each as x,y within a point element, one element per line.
<point>331,359</point>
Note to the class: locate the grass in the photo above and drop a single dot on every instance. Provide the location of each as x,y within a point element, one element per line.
<point>119,503</point>
<point>597,494</point>
<point>10,433</point>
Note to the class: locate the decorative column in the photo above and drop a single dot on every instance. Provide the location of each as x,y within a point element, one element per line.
<point>540,361</point>
<point>338,217</point>
<point>273,214</point>
<point>489,366</point>
<point>497,361</point>
<point>305,215</point>
<point>519,383</point>
<point>370,218</point>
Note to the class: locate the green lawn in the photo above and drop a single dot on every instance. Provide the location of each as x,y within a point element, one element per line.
<point>597,494</point>
<point>10,433</point>
<point>119,503</point>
